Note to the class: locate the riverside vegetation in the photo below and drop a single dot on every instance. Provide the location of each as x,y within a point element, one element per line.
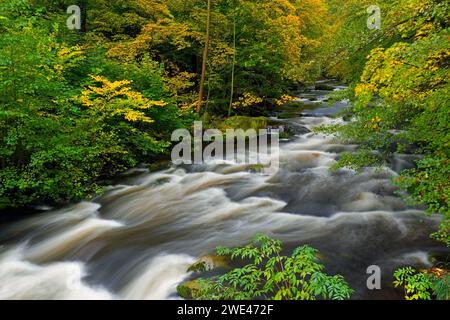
<point>79,107</point>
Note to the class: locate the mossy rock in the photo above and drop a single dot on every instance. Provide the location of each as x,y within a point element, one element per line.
<point>208,263</point>
<point>190,290</point>
<point>244,123</point>
<point>291,106</point>
<point>287,115</point>
<point>159,165</point>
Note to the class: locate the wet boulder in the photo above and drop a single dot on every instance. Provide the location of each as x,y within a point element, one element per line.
<point>208,263</point>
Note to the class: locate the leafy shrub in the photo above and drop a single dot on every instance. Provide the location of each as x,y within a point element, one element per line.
<point>429,184</point>
<point>425,285</point>
<point>270,275</point>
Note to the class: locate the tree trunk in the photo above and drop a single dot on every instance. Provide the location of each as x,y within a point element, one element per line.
<point>83,8</point>
<point>205,59</point>
<point>233,65</point>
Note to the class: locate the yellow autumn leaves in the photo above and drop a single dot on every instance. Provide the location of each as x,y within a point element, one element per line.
<point>68,58</point>
<point>246,100</point>
<point>111,99</point>
<point>375,124</point>
<point>284,99</point>
<point>401,73</point>
<point>249,100</point>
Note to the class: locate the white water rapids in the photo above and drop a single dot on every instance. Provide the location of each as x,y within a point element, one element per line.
<point>137,241</point>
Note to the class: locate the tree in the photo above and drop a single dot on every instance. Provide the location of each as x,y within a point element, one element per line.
<point>83,4</point>
<point>233,65</point>
<point>64,127</point>
<point>205,57</point>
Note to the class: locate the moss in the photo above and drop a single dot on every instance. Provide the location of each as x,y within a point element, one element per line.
<point>244,123</point>
<point>191,289</point>
<point>287,115</point>
<point>159,165</point>
<point>292,106</point>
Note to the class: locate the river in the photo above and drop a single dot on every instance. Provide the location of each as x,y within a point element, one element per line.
<point>137,240</point>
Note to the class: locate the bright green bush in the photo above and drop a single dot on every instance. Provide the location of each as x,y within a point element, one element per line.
<point>424,285</point>
<point>270,275</point>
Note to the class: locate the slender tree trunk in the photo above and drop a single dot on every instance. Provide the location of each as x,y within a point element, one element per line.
<point>209,90</point>
<point>83,8</point>
<point>205,59</point>
<point>233,65</point>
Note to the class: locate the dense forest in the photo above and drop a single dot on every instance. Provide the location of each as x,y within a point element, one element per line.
<point>79,107</point>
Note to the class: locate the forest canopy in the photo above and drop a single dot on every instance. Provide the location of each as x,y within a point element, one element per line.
<point>79,106</point>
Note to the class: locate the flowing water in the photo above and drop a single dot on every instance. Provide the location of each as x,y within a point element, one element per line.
<point>137,240</point>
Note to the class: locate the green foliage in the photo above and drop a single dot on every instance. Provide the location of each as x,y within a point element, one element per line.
<point>58,143</point>
<point>429,184</point>
<point>401,103</point>
<point>350,41</point>
<point>275,43</point>
<point>270,275</point>
<point>53,147</point>
<point>441,287</point>
<point>244,123</point>
<point>422,285</point>
<point>356,161</point>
